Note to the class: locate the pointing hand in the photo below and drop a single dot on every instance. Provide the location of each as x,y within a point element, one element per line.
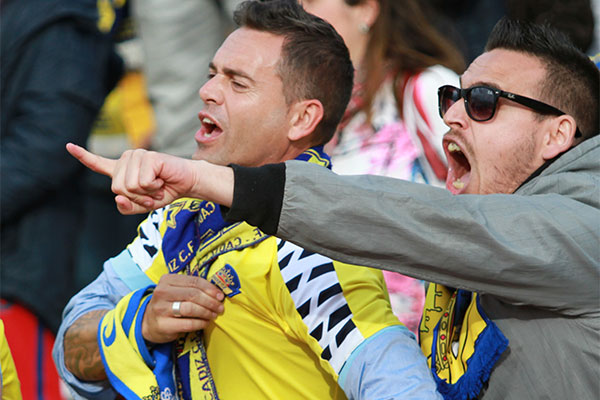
<point>142,180</point>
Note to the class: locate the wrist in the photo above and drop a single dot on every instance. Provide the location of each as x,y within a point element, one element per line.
<point>212,182</point>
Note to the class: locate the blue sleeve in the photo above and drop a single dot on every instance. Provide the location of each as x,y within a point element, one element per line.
<point>388,365</point>
<point>120,276</point>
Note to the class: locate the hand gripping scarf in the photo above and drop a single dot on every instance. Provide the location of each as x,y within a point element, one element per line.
<point>461,343</point>
<point>195,235</point>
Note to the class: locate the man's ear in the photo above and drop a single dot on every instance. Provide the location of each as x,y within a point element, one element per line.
<point>560,136</point>
<point>305,116</point>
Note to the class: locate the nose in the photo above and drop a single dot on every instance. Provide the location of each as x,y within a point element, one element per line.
<point>211,91</point>
<point>456,116</point>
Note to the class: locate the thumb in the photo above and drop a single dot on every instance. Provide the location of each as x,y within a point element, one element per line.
<point>96,163</point>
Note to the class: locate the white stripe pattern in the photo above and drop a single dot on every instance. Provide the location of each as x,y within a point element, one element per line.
<point>148,243</point>
<point>318,297</point>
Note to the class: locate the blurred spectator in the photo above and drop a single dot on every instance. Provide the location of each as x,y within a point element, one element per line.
<point>468,22</point>
<point>594,49</point>
<point>574,17</point>
<point>125,121</point>
<point>392,126</point>
<point>56,68</point>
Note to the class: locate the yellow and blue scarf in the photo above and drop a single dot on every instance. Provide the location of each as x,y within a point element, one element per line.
<point>195,236</point>
<point>461,343</point>
<point>133,370</point>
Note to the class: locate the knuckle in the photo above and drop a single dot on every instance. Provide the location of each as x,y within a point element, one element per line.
<point>115,187</point>
<point>190,296</point>
<point>160,291</point>
<point>194,282</point>
<point>145,182</point>
<point>190,325</point>
<point>131,185</point>
<point>167,278</point>
<point>202,324</point>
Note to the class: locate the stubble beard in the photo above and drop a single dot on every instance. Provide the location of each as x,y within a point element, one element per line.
<point>517,169</point>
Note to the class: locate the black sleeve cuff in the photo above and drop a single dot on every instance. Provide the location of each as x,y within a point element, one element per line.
<point>257,196</point>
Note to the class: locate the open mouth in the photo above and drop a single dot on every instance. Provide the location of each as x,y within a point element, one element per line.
<point>210,129</point>
<point>459,168</point>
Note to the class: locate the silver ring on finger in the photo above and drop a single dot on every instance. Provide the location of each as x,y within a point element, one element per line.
<point>176,308</point>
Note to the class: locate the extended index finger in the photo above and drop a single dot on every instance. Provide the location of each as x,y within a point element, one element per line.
<point>96,163</point>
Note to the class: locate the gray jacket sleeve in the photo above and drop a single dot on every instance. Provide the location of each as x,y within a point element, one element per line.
<point>538,247</point>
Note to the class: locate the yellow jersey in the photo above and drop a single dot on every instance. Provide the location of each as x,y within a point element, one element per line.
<point>292,317</point>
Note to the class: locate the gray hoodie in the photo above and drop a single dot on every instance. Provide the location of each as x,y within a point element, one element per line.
<point>533,256</point>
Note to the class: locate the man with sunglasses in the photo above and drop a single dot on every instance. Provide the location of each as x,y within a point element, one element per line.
<point>513,312</point>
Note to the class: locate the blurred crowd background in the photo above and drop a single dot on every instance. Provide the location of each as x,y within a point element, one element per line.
<point>115,75</point>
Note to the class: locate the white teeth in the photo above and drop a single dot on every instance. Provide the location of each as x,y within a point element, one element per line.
<point>453,147</point>
<point>458,184</point>
<point>207,134</point>
<point>207,120</point>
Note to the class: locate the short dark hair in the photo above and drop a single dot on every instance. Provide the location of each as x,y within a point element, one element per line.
<point>572,81</point>
<point>315,62</point>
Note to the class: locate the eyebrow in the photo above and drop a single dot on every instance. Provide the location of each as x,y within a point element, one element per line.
<point>481,83</point>
<point>231,72</point>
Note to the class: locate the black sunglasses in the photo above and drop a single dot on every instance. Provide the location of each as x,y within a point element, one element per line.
<point>481,102</point>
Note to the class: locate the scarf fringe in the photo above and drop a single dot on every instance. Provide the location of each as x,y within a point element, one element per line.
<point>490,345</point>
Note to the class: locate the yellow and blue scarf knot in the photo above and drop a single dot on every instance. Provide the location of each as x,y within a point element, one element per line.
<point>461,343</point>
<point>195,236</point>
<point>192,225</point>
